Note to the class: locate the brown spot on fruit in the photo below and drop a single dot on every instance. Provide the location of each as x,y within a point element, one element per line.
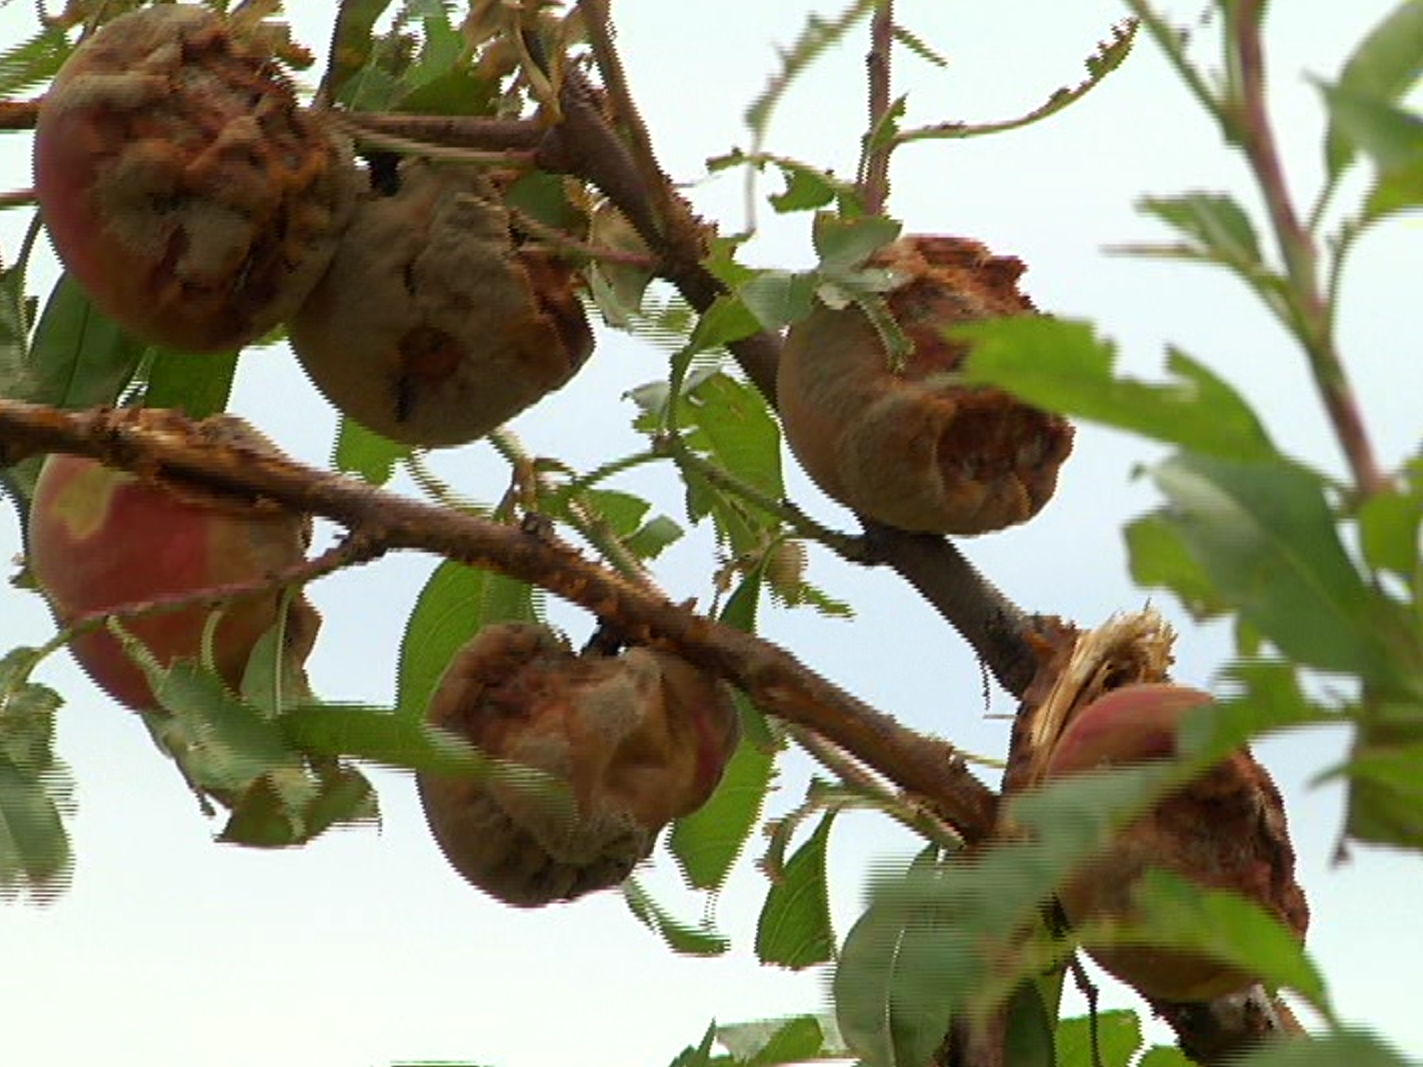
<point>431,327</point>
<point>182,185</point>
<point>905,446</point>
<point>101,538</point>
<point>638,739</point>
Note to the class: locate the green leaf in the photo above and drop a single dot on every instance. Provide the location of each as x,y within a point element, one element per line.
<point>845,244</point>
<point>198,385</point>
<point>379,735</point>
<point>351,47</point>
<point>456,603</point>
<point>701,940</point>
<point>1389,532</point>
<point>1322,1050</point>
<point>1393,137</point>
<point>1384,66</point>
<point>1218,226</point>
<point>699,1056</point>
<point>1265,535</point>
<point>795,929</point>
<point>806,189</point>
<point>1118,1036</point>
<point>1179,914</point>
<point>740,432</point>
<point>1029,1041</point>
<point>1161,559</point>
<point>80,358</point>
<point>365,453</point>
<point>777,1042</point>
<point>1060,365</point>
<point>707,842</point>
<point>14,333</point>
<point>35,787</point>
<point>34,62</point>
<point>778,298</point>
<point>1165,1056</point>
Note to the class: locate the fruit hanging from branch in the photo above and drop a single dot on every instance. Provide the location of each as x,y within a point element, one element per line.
<point>630,742</point>
<point>181,184</point>
<point>432,326</point>
<point>908,446</point>
<point>1224,830</point>
<point>101,539</point>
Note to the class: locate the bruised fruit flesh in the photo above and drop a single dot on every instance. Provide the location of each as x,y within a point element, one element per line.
<point>639,739</point>
<point>182,185</point>
<point>431,327</point>
<point>907,446</point>
<point>1224,830</point>
<point>101,539</point>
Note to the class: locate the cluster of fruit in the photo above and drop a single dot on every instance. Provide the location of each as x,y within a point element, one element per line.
<point>201,208</point>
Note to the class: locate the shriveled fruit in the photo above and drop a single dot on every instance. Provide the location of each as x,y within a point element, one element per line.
<point>904,446</point>
<point>1224,830</point>
<point>101,538</point>
<point>181,184</point>
<point>640,739</point>
<point>431,327</point>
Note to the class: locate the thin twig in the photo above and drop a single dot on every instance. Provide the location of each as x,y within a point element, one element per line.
<point>875,152</point>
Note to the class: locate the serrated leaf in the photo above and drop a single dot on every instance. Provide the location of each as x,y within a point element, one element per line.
<point>1117,1037</point>
<point>79,357</point>
<point>1389,532</point>
<point>1061,365</point>
<point>34,62</point>
<point>1384,66</point>
<point>844,244</point>
<point>795,928</point>
<point>1173,912</point>
<point>1389,134</point>
<point>806,189</point>
<point>778,298</point>
<point>1265,535</point>
<point>1160,559</point>
<point>1215,223</point>
<point>776,1042</point>
<point>198,385</point>
<point>701,940</point>
<point>455,604</point>
<point>365,453</point>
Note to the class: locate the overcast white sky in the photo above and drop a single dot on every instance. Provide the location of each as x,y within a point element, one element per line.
<point>365,949</point>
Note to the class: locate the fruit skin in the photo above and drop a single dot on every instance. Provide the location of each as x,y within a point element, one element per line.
<point>101,538</point>
<point>431,327</point>
<point>1224,830</point>
<point>182,185</point>
<point>906,447</point>
<point>640,739</point>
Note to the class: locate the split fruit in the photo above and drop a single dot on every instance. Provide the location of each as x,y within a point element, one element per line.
<point>181,184</point>
<point>907,446</point>
<point>432,326</point>
<point>101,539</point>
<point>638,739</point>
<point>1225,830</point>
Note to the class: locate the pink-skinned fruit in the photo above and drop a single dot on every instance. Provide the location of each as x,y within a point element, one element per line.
<point>181,184</point>
<point>101,539</point>
<point>1224,830</point>
<point>635,740</point>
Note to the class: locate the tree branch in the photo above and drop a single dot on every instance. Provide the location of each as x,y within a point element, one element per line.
<point>167,445</point>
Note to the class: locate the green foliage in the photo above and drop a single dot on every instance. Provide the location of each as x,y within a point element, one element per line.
<point>34,786</point>
<point>1116,1036</point>
<point>795,929</point>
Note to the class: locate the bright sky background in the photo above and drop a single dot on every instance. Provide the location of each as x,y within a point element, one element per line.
<point>365,949</point>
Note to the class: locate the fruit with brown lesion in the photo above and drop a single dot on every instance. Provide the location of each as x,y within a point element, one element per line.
<point>181,183</point>
<point>907,445</point>
<point>434,325</point>
<point>625,743</point>
<point>1224,830</point>
<point>101,539</point>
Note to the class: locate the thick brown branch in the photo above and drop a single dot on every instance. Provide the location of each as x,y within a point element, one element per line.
<point>778,683</point>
